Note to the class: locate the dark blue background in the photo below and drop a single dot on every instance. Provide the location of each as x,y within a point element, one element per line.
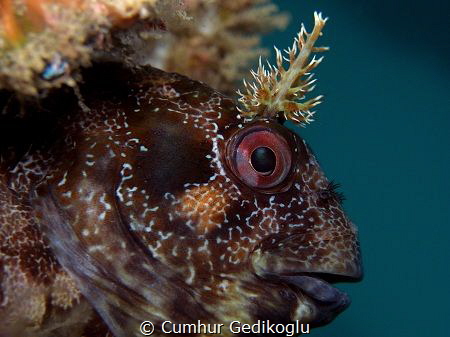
<point>383,133</point>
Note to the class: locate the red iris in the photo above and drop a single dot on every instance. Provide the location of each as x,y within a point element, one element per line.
<point>260,156</point>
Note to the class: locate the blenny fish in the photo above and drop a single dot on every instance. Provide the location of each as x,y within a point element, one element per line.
<point>148,196</point>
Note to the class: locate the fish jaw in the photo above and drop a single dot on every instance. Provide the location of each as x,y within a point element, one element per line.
<point>309,263</point>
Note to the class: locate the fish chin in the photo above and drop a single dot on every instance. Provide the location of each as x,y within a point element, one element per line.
<point>319,302</point>
<point>305,298</point>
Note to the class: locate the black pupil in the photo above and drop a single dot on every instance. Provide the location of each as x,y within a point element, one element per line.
<point>263,160</point>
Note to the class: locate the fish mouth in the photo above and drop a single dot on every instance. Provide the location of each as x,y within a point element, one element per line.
<point>324,300</point>
<point>307,265</point>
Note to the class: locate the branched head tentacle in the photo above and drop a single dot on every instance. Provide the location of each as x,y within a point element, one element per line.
<point>277,90</point>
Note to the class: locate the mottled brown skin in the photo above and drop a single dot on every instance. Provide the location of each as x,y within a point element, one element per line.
<point>130,206</point>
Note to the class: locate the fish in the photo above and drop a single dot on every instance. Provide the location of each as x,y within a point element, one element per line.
<point>148,197</point>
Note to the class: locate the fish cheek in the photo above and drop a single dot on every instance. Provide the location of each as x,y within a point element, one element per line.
<point>174,158</point>
<point>124,283</point>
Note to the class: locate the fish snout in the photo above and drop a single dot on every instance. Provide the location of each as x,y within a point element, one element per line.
<point>328,253</point>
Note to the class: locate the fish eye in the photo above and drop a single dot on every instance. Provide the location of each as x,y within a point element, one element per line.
<point>260,156</point>
<point>263,160</point>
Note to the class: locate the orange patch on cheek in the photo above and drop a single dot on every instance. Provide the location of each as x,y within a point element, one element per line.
<point>205,206</point>
<point>241,255</point>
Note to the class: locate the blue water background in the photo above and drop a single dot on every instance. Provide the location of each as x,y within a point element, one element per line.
<point>383,133</point>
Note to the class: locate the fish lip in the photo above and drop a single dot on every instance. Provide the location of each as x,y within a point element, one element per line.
<point>328,300</point>
<point>316,288</point>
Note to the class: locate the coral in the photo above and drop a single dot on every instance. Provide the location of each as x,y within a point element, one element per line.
<point>44,42</point>
<point>36,34</point>
<point>279,90</point>
<point>220,42</point>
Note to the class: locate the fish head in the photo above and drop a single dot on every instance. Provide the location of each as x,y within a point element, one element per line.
<point>193,210</point>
